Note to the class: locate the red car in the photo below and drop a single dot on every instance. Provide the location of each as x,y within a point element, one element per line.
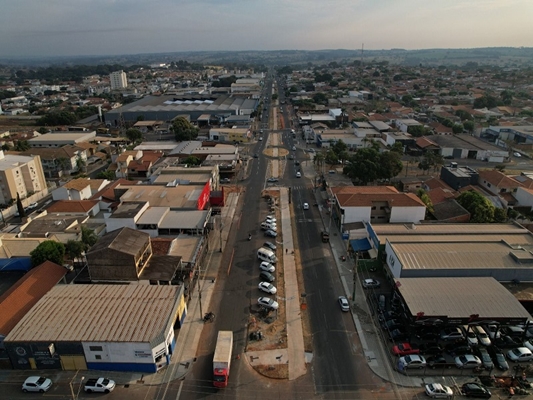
<point>404,349</point>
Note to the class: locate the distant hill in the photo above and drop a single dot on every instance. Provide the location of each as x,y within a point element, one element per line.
<point>501,56</point>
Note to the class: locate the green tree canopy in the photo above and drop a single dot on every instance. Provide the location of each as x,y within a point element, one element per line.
<point>109,175</point>
<point>457,128</point>
<point>134,135</point>
<point>331,158</point>
<point>486,101</point>
<point>368,165</point>
<point>88,237</point>
<point>48,250</point>
<point>184,130</point>
<point>418,130</point>
<point>480,208</point>
<point>74,249</point>
<point>192,160</point>
<point>422,195</point>
<point>57,118</point>
<point>320,98</point>
<point>469,126</point>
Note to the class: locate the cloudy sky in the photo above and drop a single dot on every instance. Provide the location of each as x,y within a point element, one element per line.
<point>102,27</point>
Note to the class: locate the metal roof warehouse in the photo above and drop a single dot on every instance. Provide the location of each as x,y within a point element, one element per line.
<point>460,300</point>
<point>107,327</point>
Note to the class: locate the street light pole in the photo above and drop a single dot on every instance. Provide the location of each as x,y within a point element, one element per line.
<point>220,221</point>
<point>355,274</point>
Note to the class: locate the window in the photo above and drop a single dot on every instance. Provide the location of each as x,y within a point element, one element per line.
<point>97,357</point>
<point>96,348</point>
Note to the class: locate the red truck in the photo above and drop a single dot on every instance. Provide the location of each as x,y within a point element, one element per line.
<point>404,349</point>
<point>222,359</point>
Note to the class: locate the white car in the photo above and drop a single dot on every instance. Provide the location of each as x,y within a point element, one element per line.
<point>260,139</point>
<point>267,287</point>
<point>411,361</point>
<point>268,303</point>
<point>516,154</point>
<point>471,337</point>
<point>266,266</point>
<point>371,283</point>
<point>467,361</point>
<point>270,219</point>
<point>438,391</point>
<point>520,354</point>
<point>343,302</point>
<point>38,384</point>
<point>306,206</point>
<point>298,175</point>
<point>482,336</point>
<point>493,331</point>
<point>33,206</point>
<point>293,148</point>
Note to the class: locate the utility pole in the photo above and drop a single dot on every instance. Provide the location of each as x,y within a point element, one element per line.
<point>355,274</point>
<point>220,232</point>
<point>199,292</point>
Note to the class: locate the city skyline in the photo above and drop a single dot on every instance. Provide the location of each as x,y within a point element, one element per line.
<point>32,28</point>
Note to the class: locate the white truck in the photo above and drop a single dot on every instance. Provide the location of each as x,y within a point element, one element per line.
<point>222,359</point>
<point>99,385</point>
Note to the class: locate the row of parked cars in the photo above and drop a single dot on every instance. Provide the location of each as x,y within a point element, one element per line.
<point>267,257</point>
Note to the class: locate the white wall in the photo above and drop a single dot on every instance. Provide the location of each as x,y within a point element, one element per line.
<point>394,264</point>
<point>356,214</point>
<point>120,352</point>
<point>524,197</point>
<point>113,224</point>
<point>407,214</point>
<point>60,194</point>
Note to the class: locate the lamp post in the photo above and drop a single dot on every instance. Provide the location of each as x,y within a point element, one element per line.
<point>77,394</point>
<point>220,223</point>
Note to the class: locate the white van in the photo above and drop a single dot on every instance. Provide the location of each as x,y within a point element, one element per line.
<point>266,255</point>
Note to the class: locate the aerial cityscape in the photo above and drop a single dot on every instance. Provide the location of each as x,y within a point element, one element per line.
<point>256,200</point>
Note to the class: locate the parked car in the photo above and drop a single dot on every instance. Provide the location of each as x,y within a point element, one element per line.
<point>431,349</point>
<point>298,174</point>
<point>438,391</point>
<point>467,361</point>
<point>266,266</point>
<point>529,344</point>
<point>270,245</point>
<point>267,302</point>
<point>498,358</point>
<point>437,361</point>
<point>520,354</point>
<point>451,334</point>
<point>270,219</point>
<point>427,335</point>
<point>387,315</point>
<point>397,335</point>
<point>371,284</point>
<point>297,163</point>
<point>272,179</point>
<point>411,361</point>
<point>493,331</point>
<point>458,349</point>
<point>482,336</point>
<point>404,349</point>
<point>267,276</point>
<point>507,342</point>
<point>38,384</point>
<point>267,287</point>
<point>306,206</point>
<point>470,335</point>
<point>33,206</point>
<point>343,302</point>
<point>484,356</point>
<point>513,331</point>
<point>474,389</point>
<point>391,324</point>
<point>271,233</point>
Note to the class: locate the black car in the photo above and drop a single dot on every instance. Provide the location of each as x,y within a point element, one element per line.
<point>498,357</point>
<point>397,335</point>
<point>473,389</point>
<point>484,356</point>
<point>437,361</point>
<point>507,342</point>
<point>386,316</point>
<point>266,276</point>
<point>297,163</point>
<point>255,155</point>
<point>391,324</point>
<point>431,349</point>
<point>427,335</point>
<point>454,350</point>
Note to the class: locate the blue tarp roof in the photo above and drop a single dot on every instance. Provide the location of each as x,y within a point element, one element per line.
<point>15,264</point>
<point>360,245</point>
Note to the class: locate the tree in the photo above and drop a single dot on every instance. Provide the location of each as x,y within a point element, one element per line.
<point>88,237</point>
<point>417,130</point>
<point>20,207</point>
<point>480,208</point>
<point>57,118</point>
<point>74,249</point>
<point>469,126</point>
<point>486,101</point>
<point>320,98</point>
<point>192,160</point>
<point>339,147</point>
<point>22,145</point>
<point>183,129</point>
<point>390,164</point>
<point>80,164</point>
<point>368,165</point>
<point>422,195</point>
<point>5,147</point>
<point>109,175</point>
<point>134,135</point>
<point>500,215</point>
<point>331,158</point>
<point>275,96</point>
<point>48,250</point>
<point>457,128</point>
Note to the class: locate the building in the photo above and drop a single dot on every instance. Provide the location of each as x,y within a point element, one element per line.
<point>118,80</point>
<point>59,160</point>
<point>76,189</point>
<point>232,135</point>
<point>20,174</point>
<point>375,204</point>
<point>101,327</point>
<point>60,139</point>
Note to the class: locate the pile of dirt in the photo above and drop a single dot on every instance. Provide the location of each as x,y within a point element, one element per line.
<point>280,371</point>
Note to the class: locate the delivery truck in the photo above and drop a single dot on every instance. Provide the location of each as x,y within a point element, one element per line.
<point>222,359</point>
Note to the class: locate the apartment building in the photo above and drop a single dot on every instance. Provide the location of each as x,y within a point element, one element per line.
<point>118,80</point>
<point>20,174</point>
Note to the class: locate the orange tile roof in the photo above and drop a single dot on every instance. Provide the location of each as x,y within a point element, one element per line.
<point>435,183</point>
<point>77,206</point>
<point>498,179</point>
<point>439,195</point>
<point>26,292</point>
<point>108,192</point>
<point>424,142</point>
<point>77,184</point>
<point>161,246</point>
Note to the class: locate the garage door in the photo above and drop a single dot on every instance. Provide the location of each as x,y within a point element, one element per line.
<point>73,363</point>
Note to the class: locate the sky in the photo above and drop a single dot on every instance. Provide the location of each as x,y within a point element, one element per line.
<point>37,28</point>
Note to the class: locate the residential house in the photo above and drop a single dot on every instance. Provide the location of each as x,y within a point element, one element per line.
<point>58,161</point>
<point>499,184</point>
<point>76,189</point>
